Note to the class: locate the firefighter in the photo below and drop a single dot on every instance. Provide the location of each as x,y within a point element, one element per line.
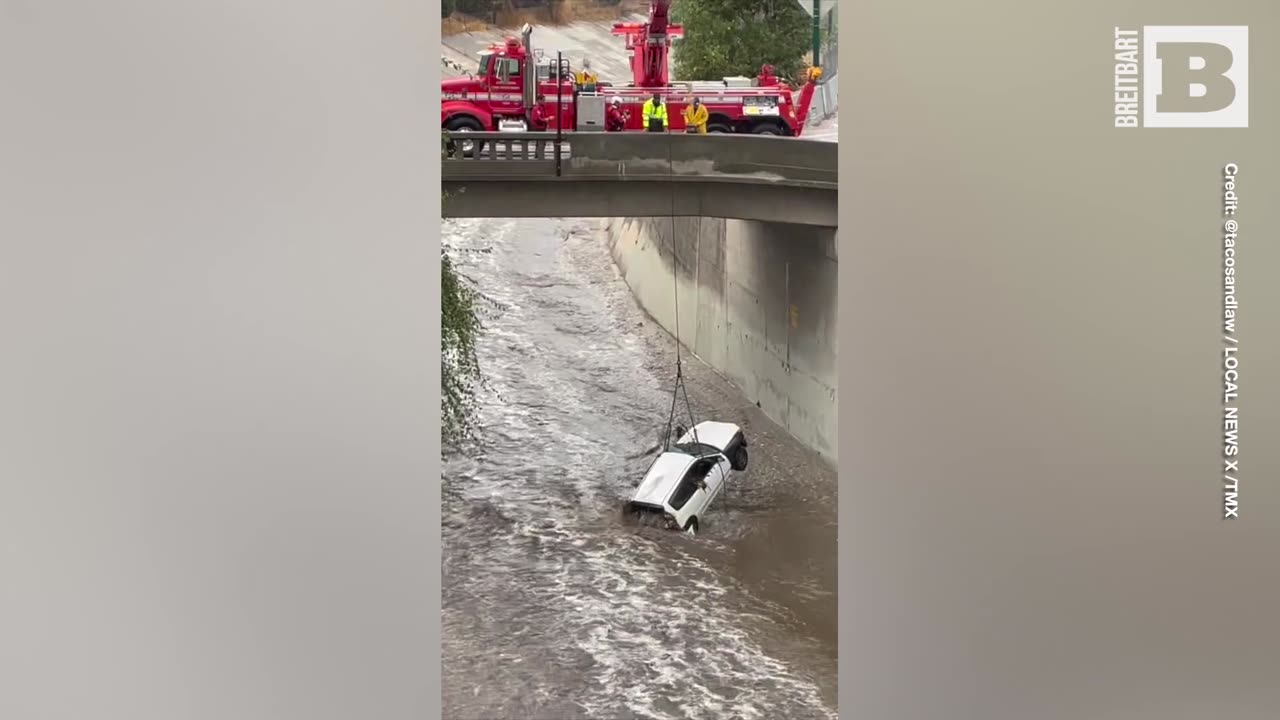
<point>541,115</point>
<point>767,77</point>
<point>695,117</point>
<point>654,114</point>
<point>585,78</point>
<point>615,119</point>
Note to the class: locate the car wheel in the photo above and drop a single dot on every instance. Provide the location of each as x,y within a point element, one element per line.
<point>691,526</point>
<point>740,458</point>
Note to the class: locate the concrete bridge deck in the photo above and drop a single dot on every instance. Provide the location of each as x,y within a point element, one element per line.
<point>741,177</point>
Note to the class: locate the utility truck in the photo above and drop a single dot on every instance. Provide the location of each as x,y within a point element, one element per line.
<point>517,88</point>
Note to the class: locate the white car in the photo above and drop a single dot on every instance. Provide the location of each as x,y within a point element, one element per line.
<point>681,483</point>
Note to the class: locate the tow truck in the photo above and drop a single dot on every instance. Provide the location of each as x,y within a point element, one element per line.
<point>516,88</point>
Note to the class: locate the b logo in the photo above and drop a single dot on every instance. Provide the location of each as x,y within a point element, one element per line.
<point>1195,76</point>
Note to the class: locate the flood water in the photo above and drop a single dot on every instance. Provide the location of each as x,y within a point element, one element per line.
<point>555,607</point>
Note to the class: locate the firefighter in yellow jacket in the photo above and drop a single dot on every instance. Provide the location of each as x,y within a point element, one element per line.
<point>695,117</point>
<point>654,114</point>
<point>585,78</point>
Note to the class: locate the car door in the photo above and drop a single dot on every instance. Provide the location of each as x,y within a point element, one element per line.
<point>683,500</point>
<point>716,479</point>
<point>710,485</point>
<point>690,496</point>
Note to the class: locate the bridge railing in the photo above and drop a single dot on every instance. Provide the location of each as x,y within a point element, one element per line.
<point>484,146</point>
<point>636,156</point>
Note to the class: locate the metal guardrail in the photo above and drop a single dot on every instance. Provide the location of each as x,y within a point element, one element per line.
<point>501,146</point>
<point>635,156</point>
<point>825,102</point>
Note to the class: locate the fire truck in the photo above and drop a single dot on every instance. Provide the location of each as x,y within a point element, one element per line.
<point>517,88</point>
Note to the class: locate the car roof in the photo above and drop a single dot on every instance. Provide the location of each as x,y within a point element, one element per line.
<point>663,474</point>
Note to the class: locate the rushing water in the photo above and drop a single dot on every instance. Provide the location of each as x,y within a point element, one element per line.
<point>555,607</point>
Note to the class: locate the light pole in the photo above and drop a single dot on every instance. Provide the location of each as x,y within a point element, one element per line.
<point>817,31</point>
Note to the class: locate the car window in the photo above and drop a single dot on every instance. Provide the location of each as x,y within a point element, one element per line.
<point>689,483</point>
<point>683,492</point>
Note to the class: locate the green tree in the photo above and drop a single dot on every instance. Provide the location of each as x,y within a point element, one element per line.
<point>477,8</point>
<point>460,374</point>
<point>735,37</point>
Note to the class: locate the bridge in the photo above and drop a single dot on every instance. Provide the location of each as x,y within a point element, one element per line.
<point>596,174</point>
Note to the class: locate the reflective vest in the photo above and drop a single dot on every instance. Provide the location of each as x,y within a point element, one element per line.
<point>649,111</point>
<point>696,117</point>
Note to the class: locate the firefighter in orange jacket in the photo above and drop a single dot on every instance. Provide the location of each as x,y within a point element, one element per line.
<point>695,117</point>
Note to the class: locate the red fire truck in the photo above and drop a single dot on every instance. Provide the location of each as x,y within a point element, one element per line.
<point>516,88</point>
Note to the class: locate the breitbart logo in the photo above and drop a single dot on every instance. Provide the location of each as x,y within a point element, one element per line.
<point>1182,76</point>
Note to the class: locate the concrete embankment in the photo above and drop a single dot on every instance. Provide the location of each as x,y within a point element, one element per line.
<point>757,302</point>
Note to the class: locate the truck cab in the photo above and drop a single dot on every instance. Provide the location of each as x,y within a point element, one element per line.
<point>511,85</point>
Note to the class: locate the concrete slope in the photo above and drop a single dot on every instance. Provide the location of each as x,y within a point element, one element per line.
<point>593,40</point>
<point>756,301</point>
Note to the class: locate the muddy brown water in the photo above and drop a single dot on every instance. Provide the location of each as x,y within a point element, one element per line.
<point>555,606</point>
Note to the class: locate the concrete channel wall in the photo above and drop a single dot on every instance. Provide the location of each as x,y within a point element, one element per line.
<point>757,302</point>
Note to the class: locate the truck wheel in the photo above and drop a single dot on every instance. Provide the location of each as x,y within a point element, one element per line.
<point>463,124</point>
<point>766,128</point>
<point>718,128</point>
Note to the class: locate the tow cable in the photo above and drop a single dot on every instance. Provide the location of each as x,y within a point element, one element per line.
<point>679,388</point>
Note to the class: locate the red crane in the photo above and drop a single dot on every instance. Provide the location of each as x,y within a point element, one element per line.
<point>650,45</point>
